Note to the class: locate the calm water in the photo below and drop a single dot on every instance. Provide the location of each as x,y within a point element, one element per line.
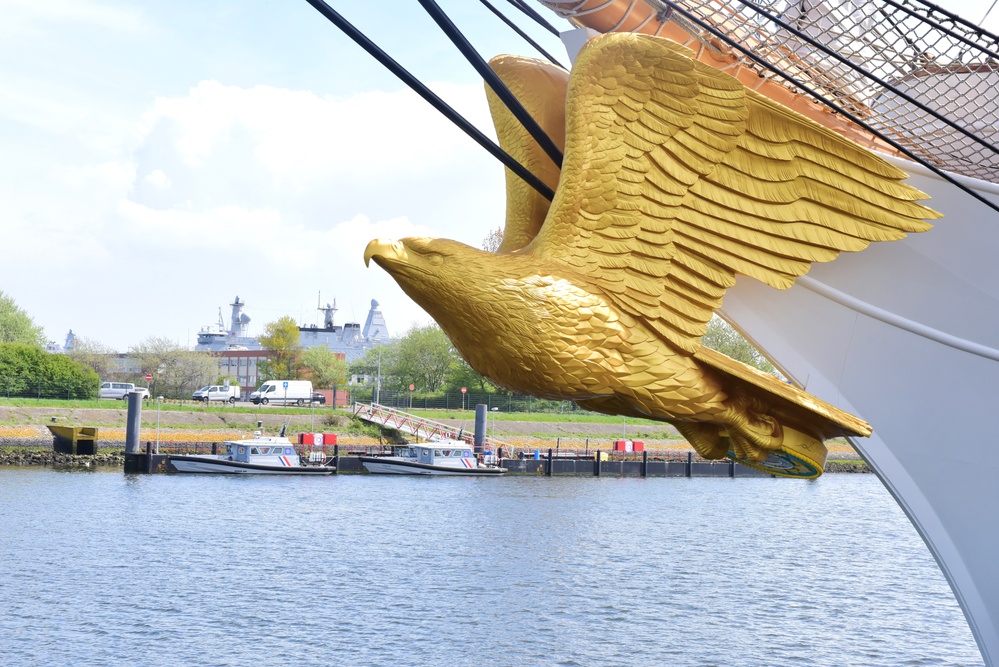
<point>97,568</point>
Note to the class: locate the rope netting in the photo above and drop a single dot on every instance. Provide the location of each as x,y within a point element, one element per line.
<point>921,76</point>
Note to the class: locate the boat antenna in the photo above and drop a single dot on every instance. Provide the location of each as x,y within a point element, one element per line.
<point>493,80</point>
<point>421,89</point>
<point>284,427</point>
<point>748,53</point>
<point>527,38</point>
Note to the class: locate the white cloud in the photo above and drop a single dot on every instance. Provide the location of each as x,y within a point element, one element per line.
<point>158,179</point>
<point>264,192</point>
<point>300,137</point>
<point>29,15</point>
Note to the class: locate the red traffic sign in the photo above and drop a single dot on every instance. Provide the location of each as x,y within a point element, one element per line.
<point>149,377</point>
<point>464,389</point>
<point>412,387</point>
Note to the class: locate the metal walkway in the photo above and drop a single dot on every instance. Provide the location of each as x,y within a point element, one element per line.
<point>426,429</point>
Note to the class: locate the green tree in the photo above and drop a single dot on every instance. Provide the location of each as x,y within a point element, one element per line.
<point>721,337</point>
<point>93,354</point>
<point>493,240</point>
<point>281,337</point>
<point>462,375</point>
<point>16,326</point>
<point>327,368</point>
<point>376,363</point>
<point>176,371</point>
<point>28,370</point>
<point>424,357</point>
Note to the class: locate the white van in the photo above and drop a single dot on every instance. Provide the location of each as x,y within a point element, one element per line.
<point>120,390</point>
<point>217,392</point>
<point>283,392</point>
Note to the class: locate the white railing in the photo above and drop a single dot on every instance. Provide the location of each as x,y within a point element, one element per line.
<point>421,427</point>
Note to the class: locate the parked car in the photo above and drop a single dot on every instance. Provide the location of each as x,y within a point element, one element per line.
<point>319,397</point>
<point>217,392</point>
<point>120,390</point>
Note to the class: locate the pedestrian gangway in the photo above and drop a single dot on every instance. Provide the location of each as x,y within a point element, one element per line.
<point>426,429</point>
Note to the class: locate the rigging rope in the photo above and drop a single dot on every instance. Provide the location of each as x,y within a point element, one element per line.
<point>494,82</point>
<point>361,40</point>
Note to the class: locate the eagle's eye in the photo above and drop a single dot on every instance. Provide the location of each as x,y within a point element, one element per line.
<point>434,259</point>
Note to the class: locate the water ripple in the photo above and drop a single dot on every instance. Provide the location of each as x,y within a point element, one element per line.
<point>103,569</point>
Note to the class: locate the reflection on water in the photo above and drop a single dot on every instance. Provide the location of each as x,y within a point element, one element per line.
<point>107,569</point>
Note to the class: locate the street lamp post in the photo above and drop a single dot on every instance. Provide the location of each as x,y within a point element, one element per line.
<point>159,399</point>
<point>378,380</point>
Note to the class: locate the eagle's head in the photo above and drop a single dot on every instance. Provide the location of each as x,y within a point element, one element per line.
<point>440,275</point>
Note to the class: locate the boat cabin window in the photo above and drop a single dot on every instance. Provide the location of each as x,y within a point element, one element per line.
<point>437,452</point>
<point>242,450</point>
<point>254,450</point>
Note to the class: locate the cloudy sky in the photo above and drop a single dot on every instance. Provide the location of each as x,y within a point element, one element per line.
<point>158,159</point>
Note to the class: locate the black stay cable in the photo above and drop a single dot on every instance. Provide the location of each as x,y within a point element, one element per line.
<point>361,40</point>
<point>835,55</point>
<point>522,6</point>
<point>931,20</point>
<point>513,26</point>
<point>494,82</point>
<point>826,101</point>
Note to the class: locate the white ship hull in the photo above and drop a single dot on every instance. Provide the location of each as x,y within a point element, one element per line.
<point>399,466</point>
<point>906,335</point>
<point>213,465</point>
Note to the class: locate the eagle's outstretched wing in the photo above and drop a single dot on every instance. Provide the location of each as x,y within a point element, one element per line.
<point>676,178</point>
<point>540,87</point>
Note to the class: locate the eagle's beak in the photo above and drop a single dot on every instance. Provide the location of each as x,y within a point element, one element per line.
<point>385,249</point>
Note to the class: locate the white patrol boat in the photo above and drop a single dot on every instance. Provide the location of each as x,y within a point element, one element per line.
<point>452,457</point>
<point>259,455</point>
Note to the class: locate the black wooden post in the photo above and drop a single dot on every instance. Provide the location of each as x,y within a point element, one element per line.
<point>549,472</point>
<point>336,458</point>
<point>690,463</point>
<point>645,463</point>
<point>149,458</point>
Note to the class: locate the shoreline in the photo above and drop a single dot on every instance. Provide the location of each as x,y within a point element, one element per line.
<point>25,440</point>
<point>37,455</point>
